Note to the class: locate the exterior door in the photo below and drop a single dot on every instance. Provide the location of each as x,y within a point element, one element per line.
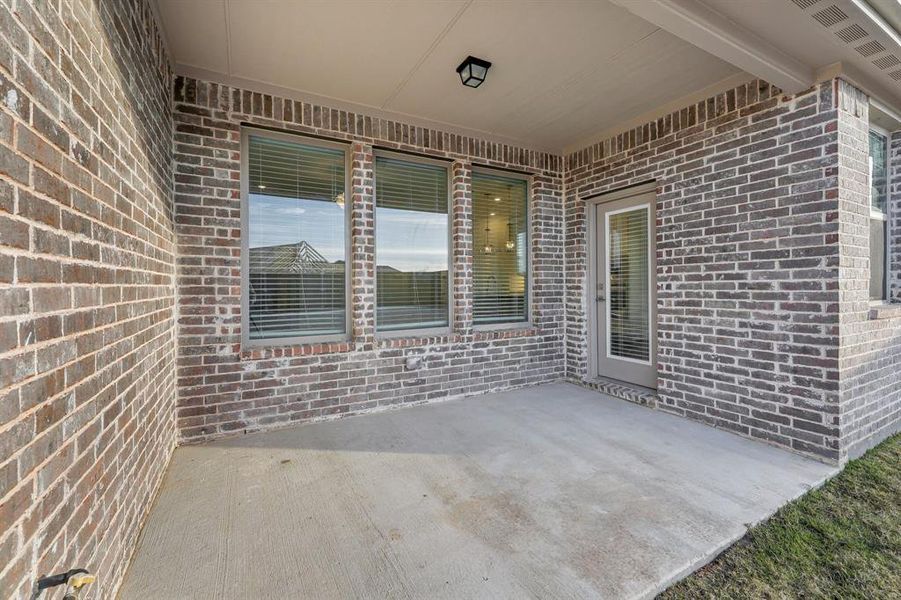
<point>625,298</point>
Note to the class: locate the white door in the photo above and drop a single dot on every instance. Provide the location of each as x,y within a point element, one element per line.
<point>625,298</point>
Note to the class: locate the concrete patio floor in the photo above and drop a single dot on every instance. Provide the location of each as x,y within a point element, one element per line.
<point>552,491</point>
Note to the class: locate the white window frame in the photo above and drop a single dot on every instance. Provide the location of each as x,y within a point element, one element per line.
<point>246,341</point>
<point>527,322</point>
<point>646,206</point>
<point>881,216</point>
<point>413,331</point>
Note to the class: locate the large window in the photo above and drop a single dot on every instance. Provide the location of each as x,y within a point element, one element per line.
<point>879,176</point>
<point>295,232</point>
<point>411,244</point>
<point>500,249</point>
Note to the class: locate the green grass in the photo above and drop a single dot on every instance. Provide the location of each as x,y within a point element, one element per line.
<point>840,541</point>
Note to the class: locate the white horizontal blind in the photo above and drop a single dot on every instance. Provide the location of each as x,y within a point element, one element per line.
<point>411,245</point>
<point>627,295</point>
<point>500,249</point>
<point>296,239</point>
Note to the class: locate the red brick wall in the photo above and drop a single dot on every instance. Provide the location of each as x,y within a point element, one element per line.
<point>87,347</point>
<point>226,388</point>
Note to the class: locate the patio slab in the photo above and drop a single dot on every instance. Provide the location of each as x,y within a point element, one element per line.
<point>551,491</point>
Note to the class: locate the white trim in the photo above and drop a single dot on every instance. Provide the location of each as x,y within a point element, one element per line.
<point>877,20</point>
<point>700,25</point>
<point>608,238</point>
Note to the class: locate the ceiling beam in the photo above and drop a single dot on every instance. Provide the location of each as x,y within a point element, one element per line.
<point>700,25</point>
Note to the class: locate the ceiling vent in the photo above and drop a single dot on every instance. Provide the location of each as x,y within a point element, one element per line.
<point>847,21</point>
<point>870,48</point>
<point>830,16</point>
<point>886,62</point>
<point>851,33</point>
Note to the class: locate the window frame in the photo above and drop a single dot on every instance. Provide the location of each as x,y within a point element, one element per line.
<point>246,341</point>
<point>885,217</point>
<point>448,165</point>
<point>528,179</point>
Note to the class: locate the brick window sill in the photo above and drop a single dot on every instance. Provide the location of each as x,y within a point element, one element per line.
<point>264,352</point>
<point>885,311</point>
<point>502,334</point>
<point>455,338</point>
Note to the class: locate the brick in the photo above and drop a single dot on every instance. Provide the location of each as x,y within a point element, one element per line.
<point>788,207</point>
<point>60,367</point>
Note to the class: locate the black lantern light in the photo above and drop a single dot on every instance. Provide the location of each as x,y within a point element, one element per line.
<point>473,71</point>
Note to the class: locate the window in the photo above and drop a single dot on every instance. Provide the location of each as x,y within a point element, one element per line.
<point>411,244</point>
<point>500,249</point>
<point>295,236</point>
<point>879,176</point>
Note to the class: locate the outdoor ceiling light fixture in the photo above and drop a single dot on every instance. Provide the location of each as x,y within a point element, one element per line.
<point>473,71</point>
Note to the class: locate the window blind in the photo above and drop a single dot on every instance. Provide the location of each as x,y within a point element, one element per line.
<point>628,301</point>
<point>500,249</point>
<point>296,239</point>
<point>879,175</point>
<point>411,245</point>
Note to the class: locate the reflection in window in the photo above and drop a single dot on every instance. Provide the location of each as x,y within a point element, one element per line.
<point>296,239</point>
<point>878,213</point>
<point>411,245</point>
<point>500,252</point>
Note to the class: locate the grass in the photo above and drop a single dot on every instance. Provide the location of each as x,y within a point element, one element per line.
<point>840,541</point>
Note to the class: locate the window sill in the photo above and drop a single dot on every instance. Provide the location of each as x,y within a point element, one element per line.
<point>402,340</point>
<point>519,325</point>
<point>410,339</point>
<point>295,349</point>
<point>884,310</point>
<point>521,330</point>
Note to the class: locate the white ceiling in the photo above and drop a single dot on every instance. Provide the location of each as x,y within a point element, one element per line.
<point>563,70</point>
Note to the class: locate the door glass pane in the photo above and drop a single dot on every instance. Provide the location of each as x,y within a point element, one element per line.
<point>627,296</point>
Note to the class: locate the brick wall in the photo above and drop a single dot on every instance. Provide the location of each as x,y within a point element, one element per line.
<point>226,388</point>
<point>894,249</point>
<point>870,352</point>
<point>747,259</point>
<point>87,351</point>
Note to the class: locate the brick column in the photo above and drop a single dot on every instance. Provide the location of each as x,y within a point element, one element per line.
<point>894,213</point>
<point>854,244</point>
<point>462,246</point>
<point>546,254</point>
<point>362,207</point>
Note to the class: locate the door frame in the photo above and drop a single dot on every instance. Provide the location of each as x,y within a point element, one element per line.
<point>591,211</point>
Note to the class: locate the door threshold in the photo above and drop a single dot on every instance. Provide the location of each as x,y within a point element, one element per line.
<point>624,390</point>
